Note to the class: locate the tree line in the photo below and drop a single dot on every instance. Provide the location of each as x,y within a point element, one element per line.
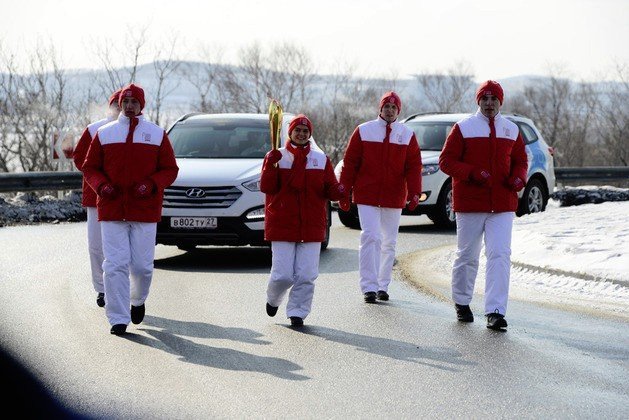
<point>586,123</point>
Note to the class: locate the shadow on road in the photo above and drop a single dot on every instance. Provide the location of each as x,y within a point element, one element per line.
<point>437,357</point>
<point>169,340</point>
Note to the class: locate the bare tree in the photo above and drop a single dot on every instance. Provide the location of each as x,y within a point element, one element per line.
<point>165,65</point>
<point>282,73</point>
<point>446,92</point>
<point>613,121</point>
<point>204,76</point>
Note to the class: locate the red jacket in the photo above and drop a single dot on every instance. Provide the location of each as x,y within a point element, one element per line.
<point>382,164</point>
<point>469,146</point>
<point>298,213</point>
<point>125,157</point>
<point>80,151</point>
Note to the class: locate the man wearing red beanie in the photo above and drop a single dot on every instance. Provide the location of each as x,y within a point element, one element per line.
<point>129,164</point>
<point>94,241</point>
<point>298,180</point>
<point>484,154</point>
<point>382,167</point>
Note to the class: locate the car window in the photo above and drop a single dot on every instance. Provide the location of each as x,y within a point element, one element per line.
<point>224,140</point>
<point>528,134</point>
<point>430,135</point>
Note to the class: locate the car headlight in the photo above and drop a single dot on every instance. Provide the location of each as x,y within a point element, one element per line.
<point>253,185</point>
<point>429,169</point>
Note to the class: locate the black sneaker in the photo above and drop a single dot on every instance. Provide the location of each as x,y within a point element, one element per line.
<point>100,299</point>
<point>271,310</point>
<point>118,329</point>
<point>137,313</point>
<point>496,321</point>
<point>370,297</point>
<point>464,313</point>
<point>296,321</point>
<point>382,295</point>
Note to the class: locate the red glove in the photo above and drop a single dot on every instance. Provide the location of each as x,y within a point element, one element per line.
<point>273,156</point>
<point>481,177</point>
<point>412,202</point>
<point>144,188</point>
<point>108,191</point>
<point>515,183</point>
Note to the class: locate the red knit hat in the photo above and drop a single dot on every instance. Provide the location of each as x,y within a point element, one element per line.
<point>114,97</point>
<point>391,97</point>
<point>134,91</point>
<point>300,119</point>
<point>490,88</point>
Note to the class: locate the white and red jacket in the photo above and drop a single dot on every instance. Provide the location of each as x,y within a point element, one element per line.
<point>382,164</point>
<point>298,214</point>
<point>125,153</point>
<point>470,146</point>
<point>80,151</point>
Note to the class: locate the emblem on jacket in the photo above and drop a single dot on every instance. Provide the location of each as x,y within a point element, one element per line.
<point>146,136</point>
<point>507,132</point>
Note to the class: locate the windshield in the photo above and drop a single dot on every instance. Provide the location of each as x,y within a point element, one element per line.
<point>221,139</point>
<point>430,135</point>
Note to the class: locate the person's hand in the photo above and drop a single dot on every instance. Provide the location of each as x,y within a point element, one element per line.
<point>108,191</point>
<point>515,183</point>
<point>412,202</point>
<point>481,177</point>
<point>144,188</point>
<point>273,156</point>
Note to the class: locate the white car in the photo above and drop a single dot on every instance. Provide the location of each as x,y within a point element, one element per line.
<point>431,131</point>
<point>216,198</point>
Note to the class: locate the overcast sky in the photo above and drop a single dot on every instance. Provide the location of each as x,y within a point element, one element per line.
<point>497,38</point>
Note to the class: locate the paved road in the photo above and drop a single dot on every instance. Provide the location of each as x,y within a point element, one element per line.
<point>207,349</point>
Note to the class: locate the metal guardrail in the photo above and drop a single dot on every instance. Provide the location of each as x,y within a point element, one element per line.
<point>56,181</point>
<point>592,173</point>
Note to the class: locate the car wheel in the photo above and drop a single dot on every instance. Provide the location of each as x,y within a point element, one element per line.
<point>443,215</point>
<point>187,247</point>
<point>349,218</point>
<point>534,198</point>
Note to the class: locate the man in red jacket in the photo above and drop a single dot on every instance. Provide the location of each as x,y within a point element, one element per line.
<point>129,164</point>
<point>94,240</point>
<point>485,156</point>
<point>298,181</point>
<point>382,167</point>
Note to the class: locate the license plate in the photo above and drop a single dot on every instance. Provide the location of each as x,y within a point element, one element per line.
<point>193,222</point>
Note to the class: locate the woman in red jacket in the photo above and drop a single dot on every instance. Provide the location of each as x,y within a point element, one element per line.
<point>298,181</point>
<point>484,154</point>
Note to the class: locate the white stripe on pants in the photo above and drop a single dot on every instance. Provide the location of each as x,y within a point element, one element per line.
<point>295,266</point>
<point>129,249</point>
<point>95,248</point>
<point>470,229</point>
<point>378,238</point>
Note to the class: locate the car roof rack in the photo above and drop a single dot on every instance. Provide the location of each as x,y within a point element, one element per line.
<point>419,114</point>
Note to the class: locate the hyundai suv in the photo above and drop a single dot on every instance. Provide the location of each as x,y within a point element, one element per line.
<point>216,198</point>
<point>431,131</point>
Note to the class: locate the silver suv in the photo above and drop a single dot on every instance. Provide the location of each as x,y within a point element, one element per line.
<point>216,198</point>
<point>431,131</point>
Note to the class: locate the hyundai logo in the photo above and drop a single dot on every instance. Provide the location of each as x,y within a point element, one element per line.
<point>195,193</point>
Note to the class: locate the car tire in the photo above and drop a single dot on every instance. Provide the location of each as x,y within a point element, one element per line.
<point>443,216</point>
<point>187,247</point>
<point>349,218</point>
<point>534,199</point>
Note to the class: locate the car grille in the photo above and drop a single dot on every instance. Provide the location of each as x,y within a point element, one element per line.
<point>200,197</point>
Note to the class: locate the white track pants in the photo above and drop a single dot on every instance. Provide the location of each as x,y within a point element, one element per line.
<point>129,249</point>
<point>295,266</point>
<point>378,238</point>
<point>470,229</point>
<point>95,248</point>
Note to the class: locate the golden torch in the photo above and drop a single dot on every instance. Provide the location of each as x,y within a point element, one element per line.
<point>275,123</point>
